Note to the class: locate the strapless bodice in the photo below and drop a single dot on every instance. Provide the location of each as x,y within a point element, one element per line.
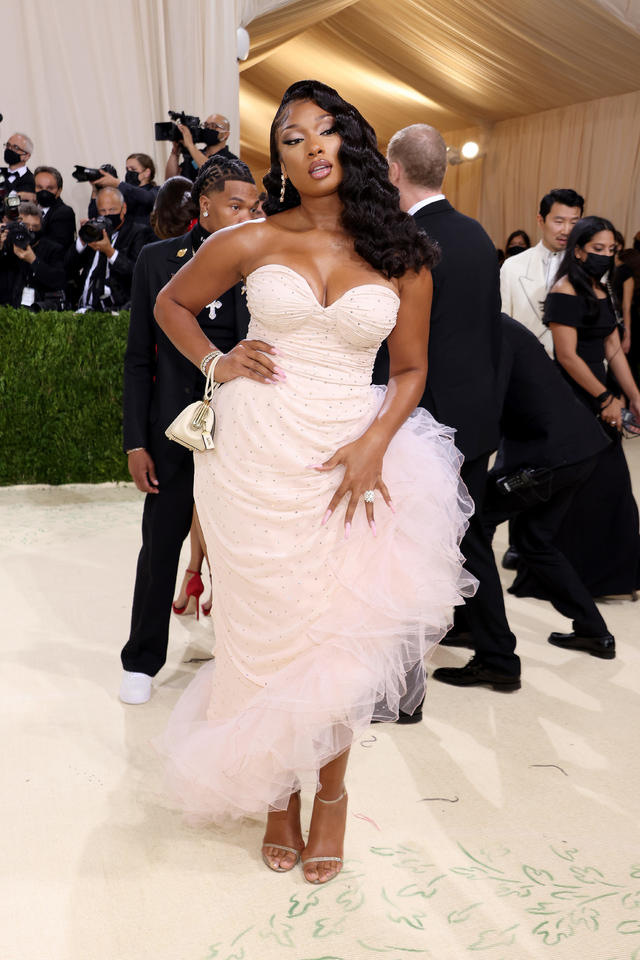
<point>338,342</point>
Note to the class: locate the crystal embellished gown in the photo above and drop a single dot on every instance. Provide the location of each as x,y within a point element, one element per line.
<point>315,634</point>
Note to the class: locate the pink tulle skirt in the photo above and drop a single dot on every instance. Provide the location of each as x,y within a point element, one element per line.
<point>315,634</point>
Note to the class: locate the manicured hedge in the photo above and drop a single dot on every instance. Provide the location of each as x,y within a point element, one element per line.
<point>61,397</point>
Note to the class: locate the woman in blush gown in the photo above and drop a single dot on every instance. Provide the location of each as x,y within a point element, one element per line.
<point>332,509</point>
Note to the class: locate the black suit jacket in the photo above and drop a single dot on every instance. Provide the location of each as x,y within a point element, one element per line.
<point>59,224</point>
<point>158,380</point>
<point>464,341</point>
<point>25,182</point>
<point>129,242</point>
<point>45,274</point>
<point>542,424</point>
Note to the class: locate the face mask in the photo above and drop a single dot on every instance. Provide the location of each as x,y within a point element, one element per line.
<point>596,264</point>
<point>11,157</point>
<point>132,177</point>
<point>114,220</point>
<point>45,198</point>
<point>515,248</point>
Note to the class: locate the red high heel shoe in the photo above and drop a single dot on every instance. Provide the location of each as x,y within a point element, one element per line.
<point>194,589</point>
<point>206,607</point>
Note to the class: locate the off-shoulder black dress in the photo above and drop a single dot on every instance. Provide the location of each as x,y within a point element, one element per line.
<point>601,532</point>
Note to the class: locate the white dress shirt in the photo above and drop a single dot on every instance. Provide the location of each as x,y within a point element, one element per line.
<point>423,203</point>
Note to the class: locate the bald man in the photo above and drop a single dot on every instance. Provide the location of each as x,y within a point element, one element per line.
<point>101,270</point>
<point>192,157</point>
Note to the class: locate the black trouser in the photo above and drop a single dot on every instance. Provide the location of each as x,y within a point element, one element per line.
<point>165,524</point>
<point>537,517</point>
<point>484,613</point>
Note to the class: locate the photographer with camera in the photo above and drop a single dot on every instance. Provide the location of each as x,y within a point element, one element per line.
<point>138,188</point>
<point>100,264</point>
<point>17,153</point>
<point>186,158</point>
<point>31,266</point>
<point>58,219</point>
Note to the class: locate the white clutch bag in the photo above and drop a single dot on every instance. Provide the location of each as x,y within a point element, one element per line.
<point>194,427</point>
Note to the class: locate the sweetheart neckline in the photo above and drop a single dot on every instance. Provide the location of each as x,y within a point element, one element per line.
<point>358,286</point>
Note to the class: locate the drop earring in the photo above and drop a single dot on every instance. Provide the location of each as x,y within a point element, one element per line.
<point>284,187</point>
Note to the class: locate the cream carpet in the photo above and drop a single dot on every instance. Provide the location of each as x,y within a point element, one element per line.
<point>503,826</point>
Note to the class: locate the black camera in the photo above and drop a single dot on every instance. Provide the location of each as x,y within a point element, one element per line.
<point>527,478</point>
<point>11,208</point>
<point>55,300</point>
<point>91,174</point>
<point>91,231</point>
<point>169,131</point>
<point>19,235</point>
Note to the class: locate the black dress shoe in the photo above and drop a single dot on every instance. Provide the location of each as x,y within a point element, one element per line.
<point>603,647</point>
<point>476,674</point>
<point>458,638</point>
<point>510,558</point>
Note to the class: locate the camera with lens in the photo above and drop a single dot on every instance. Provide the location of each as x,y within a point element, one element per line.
<point>91,231</point>
<point>55,300</point>
<point>91,174</point>
<point>11,207</point>
<point>19,235</point>
<point>200,134</point>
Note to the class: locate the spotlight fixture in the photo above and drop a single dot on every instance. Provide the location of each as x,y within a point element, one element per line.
<point>453,156</point>
<point>470,150</point>
<point>243,41</point>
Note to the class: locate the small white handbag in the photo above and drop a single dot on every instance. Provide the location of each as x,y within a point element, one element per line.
<point>194,427</point>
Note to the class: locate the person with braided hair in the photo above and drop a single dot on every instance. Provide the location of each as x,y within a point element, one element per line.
<point>158,383</point>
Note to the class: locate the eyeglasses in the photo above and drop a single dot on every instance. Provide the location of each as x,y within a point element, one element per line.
<point>14,146</point>
<point>222,127</point>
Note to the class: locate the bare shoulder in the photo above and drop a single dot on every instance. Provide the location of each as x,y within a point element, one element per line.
<point>241,242</point>
<point>564,285</point>
<point>415,283</point>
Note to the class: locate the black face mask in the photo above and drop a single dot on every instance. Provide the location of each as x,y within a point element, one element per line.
<point>597,264</point>
<point>514,249</point>
<point>45,198</point>
<point>132,177</point>
<point>114,220</point>
<point>11,157</point>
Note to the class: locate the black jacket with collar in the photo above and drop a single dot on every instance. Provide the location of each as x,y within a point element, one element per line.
<point>158,380</point>
<point>59,223</point>
<point>464,339</point>
<point>24,182</point>
<point>130,240</point>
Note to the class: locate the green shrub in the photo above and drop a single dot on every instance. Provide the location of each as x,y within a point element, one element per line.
<point>61,397</point>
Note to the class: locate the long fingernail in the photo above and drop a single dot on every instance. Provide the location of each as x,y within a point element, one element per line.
<point>314,466</point>
<point>279,378</point>
<point>278,370</point>
<point>372,524</point>
<point>326,517</point>
<point>347,530</point>
<point>391,507</point>
<point>277,352</point>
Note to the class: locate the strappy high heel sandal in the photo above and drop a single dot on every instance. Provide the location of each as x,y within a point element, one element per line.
<point>337,860</point>
<point>194,588</point>
<point>279,846</point>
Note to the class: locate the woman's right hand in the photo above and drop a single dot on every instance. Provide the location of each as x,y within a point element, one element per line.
<point>611,413</point>
<point>251,359</point>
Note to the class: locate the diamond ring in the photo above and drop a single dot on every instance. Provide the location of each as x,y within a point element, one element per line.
<point>369,496</point>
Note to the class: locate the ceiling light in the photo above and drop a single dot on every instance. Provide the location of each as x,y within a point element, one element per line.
<point>470,150</point>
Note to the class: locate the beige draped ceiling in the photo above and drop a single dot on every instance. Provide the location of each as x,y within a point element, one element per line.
<point>506,73</point>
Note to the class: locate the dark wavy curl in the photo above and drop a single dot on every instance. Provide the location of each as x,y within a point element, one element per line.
<point>384,236</point>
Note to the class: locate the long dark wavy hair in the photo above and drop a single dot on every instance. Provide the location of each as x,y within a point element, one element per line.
<point>571,267</point>
<point>384,236</point>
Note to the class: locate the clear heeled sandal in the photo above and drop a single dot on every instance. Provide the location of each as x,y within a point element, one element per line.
<point>337,860</point>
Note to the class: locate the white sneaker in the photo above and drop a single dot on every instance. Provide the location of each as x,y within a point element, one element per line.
<point>135,687</point>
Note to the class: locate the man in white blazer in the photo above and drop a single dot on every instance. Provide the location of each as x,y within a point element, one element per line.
<point>526,278</point>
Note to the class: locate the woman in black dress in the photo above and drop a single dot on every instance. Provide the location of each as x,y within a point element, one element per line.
<point>600,534</point>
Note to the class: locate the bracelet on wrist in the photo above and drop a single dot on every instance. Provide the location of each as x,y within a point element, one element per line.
<point>134,450</point>
<point>205,360</point>
<point>212,367</point>
<point>605,395</point>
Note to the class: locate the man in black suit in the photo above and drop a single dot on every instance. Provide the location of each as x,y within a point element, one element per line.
<point>101,271</point>
<point>158,383</point>
<point>31,272</point>
<point>464,350</point>
<point>548,433</point>
<point>58,218</point>
<point>17,153</point>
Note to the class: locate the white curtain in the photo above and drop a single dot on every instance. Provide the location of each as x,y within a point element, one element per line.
<point>86,79</point>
